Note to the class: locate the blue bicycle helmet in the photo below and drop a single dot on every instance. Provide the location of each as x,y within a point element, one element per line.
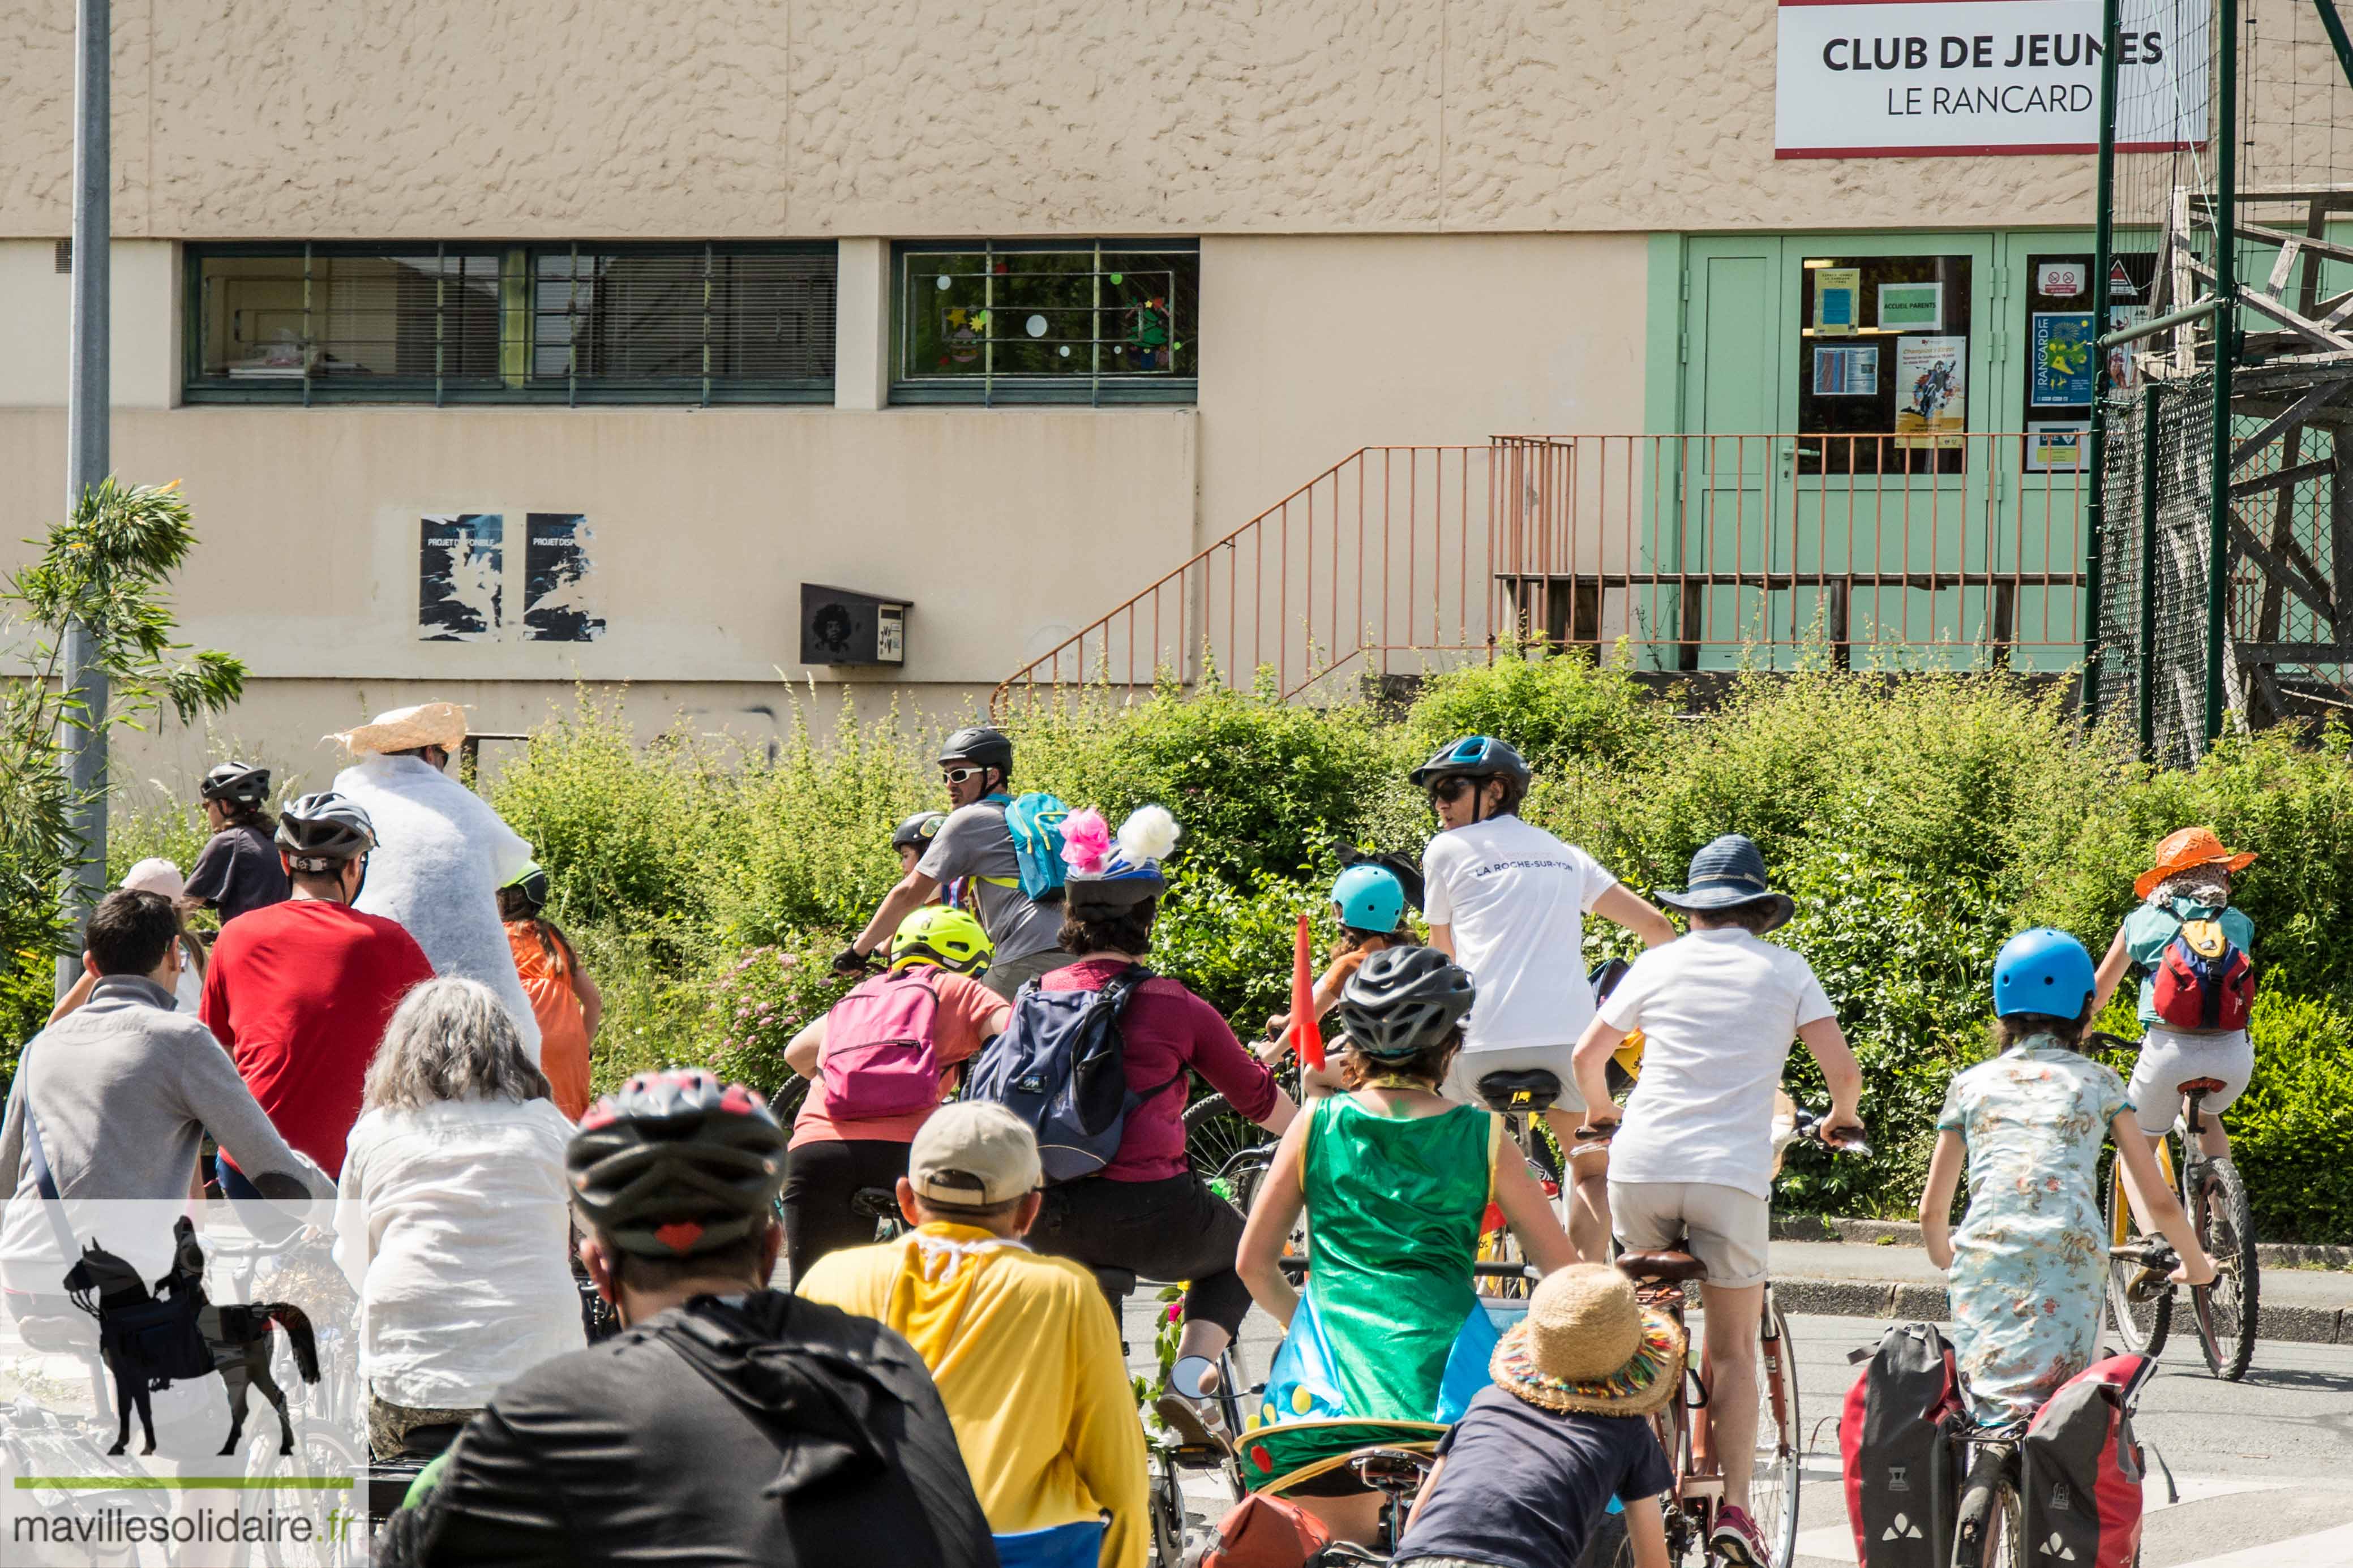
<point>1370,898</point>
<point>2042,970</point>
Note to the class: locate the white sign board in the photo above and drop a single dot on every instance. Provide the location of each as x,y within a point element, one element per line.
<point>1900,78</point>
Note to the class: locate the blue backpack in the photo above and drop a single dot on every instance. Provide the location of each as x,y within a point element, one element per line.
<point>1035,820</point>
<point>1060,1066</point>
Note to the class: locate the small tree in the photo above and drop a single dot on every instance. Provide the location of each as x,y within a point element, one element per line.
<point>107,566</point>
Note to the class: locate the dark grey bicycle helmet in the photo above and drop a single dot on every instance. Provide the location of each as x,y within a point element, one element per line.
<point>236,783</point>
<point>1476,757</point>
<point>918,831</point>
<point>981,746</point>
<point>1402,1000</point>
<point>320,832</point>
<point>675,1164</point>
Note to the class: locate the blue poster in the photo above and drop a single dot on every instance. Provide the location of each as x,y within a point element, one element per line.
<point>2062,359</point>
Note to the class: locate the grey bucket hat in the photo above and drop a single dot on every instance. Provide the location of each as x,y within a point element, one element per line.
<point>1726,873</point>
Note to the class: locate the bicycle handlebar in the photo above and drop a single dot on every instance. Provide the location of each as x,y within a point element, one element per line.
<point>1840,1140</point>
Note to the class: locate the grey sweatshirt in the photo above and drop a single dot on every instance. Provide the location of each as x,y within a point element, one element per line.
<point>125,1089</point>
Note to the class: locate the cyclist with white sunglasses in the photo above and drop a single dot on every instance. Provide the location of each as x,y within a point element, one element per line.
<point>976,845</point>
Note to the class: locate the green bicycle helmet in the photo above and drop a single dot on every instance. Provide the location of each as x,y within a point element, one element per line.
<point>531,883</point>
<point>949,938</point>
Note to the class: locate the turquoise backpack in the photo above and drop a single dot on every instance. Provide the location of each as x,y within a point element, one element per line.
<point>1035,820</point>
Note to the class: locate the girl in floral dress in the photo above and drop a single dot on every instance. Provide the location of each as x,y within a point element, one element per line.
<point>2029,1265</point>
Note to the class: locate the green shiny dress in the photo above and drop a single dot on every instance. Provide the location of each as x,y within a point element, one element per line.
<point>1388,1330</point>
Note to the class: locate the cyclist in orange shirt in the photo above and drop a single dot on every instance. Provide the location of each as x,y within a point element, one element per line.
<point>563,997</point>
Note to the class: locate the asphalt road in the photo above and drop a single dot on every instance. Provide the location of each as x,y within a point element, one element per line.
<point>2264,1467</point>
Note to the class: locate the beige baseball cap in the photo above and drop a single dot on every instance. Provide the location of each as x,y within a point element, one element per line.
<point>973,1154</point>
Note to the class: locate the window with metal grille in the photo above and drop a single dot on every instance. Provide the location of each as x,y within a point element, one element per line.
<point>534,324</point>
<point>1093,321</point>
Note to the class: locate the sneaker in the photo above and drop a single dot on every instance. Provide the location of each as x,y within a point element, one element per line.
<point>1737,1539</point>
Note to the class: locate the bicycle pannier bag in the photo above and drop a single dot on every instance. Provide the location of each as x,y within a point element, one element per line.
<point>2080,1469</point>
<point>1060,1066</point>
<point>1261,1531</point>
<point>1895,1446</point>
<point>879,1060</point>
<point>2204,979</point>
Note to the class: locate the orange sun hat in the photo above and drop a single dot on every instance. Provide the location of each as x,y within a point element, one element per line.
<point>2190,847</point>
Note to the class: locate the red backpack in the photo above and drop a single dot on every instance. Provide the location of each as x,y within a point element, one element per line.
<point>1896,1448</point>
<point>2204,979</point>
<point>878,1058</point>
<point>2081,1468</point>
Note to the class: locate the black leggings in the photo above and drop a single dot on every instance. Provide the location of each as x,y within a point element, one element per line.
<point>1168,1230</point>
<point>821,1178</point>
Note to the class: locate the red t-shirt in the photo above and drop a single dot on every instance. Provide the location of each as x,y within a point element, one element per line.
<point>1164,1030</point>
<point>299,994</point>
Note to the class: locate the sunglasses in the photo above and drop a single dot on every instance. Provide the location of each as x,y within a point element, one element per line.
<point>1449,789</point>
<point>961,776</point>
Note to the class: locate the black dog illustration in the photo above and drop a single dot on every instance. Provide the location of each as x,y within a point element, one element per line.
<point>150,1339</point>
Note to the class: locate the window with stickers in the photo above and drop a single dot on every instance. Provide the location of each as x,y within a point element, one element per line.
<point>1094,323</point>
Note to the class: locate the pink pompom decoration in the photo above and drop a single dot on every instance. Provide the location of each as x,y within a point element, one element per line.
<point>1086,841</point>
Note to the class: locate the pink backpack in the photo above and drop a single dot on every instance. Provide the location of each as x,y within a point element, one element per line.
<point>878,1058</point>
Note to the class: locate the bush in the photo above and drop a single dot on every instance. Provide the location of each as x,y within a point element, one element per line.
<point>2291,1131</point>
<point>1563,713</point>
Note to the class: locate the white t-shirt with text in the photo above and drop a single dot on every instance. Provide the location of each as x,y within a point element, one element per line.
<point>1516,898</point>
<point>1719,1010</point>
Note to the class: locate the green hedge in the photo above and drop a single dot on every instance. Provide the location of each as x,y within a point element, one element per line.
<point>1918,821</point>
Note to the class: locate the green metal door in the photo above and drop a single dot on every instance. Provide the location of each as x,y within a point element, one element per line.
<point>1734,463</point>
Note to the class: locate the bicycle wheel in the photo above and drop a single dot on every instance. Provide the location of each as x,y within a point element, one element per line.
<point>1607,1546</point>
<point>1990,1528</point>
<point>2142,1311</point>
<point>1166,1506</point>
<point>2225,1312</point>
<point>1215,1132</point>
<point>1773,1482</point>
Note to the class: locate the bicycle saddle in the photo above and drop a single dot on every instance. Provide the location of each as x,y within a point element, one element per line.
<point>1532,1090</point>
<point>874,1203</point>
<point>1115,1281</point>
<point>1666,1267</point>
<point>1396,1471</point>
<point>2200,1086</point>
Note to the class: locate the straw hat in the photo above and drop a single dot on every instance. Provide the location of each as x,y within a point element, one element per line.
<point>2190,847</point>
<point>441,724</point>
<point>1589,1346</point>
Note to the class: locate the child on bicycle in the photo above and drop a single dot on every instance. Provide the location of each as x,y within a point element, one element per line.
<point>2029,1265</point>
<point>1524,1478</point>
<point>1369,903</point>
<point>2186,896</point>
<point>1719,1008</point>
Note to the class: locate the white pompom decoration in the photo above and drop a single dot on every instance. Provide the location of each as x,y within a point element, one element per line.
<point>1148,834</point>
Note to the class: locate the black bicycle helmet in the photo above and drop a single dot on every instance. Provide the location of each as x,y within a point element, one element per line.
<point>1476,757</point>
<point>981,746</point>
<point>1402,1000</point>
<point>237,783</point>
<point>675,1164</point>
<point>320,832</point>
<point>918,831</point>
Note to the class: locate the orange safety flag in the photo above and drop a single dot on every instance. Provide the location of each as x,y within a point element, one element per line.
<point>1306,1036</point>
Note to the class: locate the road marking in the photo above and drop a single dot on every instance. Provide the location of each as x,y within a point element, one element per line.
<point>1835,1542</point>
<point>2322,1548</point>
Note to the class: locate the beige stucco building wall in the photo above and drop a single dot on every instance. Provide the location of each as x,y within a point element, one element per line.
<point>749,117</point>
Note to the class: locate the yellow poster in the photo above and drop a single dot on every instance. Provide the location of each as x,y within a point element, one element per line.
<point>1931,391</point>
<point>1838,296</point>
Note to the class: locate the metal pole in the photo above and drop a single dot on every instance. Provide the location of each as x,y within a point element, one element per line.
<point>2145,666</point>
<point>86,455</point>
<point>2226,337</point>
<point>2103,257</point>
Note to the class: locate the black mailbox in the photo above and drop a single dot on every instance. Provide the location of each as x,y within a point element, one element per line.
<point>845,626</point>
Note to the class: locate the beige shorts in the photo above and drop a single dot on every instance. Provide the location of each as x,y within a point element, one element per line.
<point>1728,1228</point>
<point>1462,1078</point>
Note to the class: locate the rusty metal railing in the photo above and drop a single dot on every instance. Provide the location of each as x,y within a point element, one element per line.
<point>1693,551</point>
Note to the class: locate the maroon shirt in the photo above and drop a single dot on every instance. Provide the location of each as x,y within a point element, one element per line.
<point>1164,1030</point>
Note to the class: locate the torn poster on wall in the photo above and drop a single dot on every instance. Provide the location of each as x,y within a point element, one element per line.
<point>558,604</point>
<point>460,569</point>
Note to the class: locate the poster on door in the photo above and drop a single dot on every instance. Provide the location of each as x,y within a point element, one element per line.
<point>2062,359</point>
<point>1907,79</point>
<point>1931,391</point>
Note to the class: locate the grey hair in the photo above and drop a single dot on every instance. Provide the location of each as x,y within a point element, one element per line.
<point>2200,884</point>
<point>450,1039</point>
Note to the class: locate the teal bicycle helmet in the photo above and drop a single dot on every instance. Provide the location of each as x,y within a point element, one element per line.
<point>1370,898</point>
